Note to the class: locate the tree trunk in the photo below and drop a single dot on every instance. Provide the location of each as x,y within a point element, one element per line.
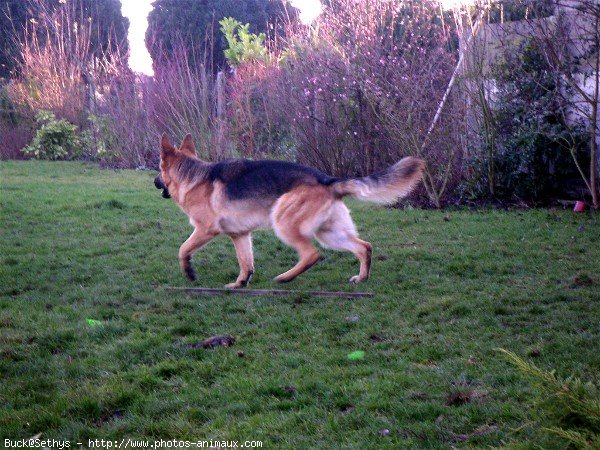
<point>594,124</point>
<point>594,149</point>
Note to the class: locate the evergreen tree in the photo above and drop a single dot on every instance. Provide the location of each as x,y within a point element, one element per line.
<point>13,15</point>
<point>194,24</point>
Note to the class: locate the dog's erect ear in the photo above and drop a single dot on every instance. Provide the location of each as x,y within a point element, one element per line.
<point>187,146</point>
<point>166,148</point>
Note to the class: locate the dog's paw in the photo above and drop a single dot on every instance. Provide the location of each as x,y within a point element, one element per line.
<point>190,273</point>
<point>356,279</point>
<point>235,285</point>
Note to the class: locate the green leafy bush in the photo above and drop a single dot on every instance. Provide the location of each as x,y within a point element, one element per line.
<point>55,139</point>
<point>532,141</point>
<point>8,112</point>
<point>243,45</point>
<point>103,139</point>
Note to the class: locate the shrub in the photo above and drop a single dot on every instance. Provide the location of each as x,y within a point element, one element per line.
<point>565,408</point>
<point>55,139</point>
<point>243,45</point>
<point>101,140</point>
<point>532,142</point>
<point>16,129</point>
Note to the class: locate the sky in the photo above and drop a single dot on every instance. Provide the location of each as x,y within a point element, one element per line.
<point>137,12</point>
<point>309,9</point>
<point>452,4</point>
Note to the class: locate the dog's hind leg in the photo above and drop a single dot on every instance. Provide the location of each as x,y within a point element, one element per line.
<point>339,233</point>
<point>295,217</point>
<point>307,253</point>
<point>243,251</point>
<point>197,239</point>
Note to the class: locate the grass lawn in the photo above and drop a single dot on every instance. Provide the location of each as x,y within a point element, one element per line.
<point>78,243</point>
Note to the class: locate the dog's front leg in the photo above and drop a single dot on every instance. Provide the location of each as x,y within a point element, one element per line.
<point>197,239</point>
<point>243,251</point>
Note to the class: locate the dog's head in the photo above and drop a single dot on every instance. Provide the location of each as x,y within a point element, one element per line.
<point>169,156</point>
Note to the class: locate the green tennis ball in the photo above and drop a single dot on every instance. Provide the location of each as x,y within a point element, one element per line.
<point>93,322</point>
<point>356,355</point>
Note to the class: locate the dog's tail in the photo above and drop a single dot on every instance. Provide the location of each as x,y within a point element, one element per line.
<point>387,186</point>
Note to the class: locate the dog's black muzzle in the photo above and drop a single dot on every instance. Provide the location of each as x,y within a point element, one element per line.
<point>158,182</point>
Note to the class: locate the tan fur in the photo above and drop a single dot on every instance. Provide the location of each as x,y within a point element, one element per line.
<point>395,182</point>
<point>301,215</point>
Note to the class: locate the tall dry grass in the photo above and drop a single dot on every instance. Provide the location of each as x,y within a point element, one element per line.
<point>183,98</point>
<point>58,68</point>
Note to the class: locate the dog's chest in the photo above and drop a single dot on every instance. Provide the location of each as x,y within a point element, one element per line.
<point>243,221</point>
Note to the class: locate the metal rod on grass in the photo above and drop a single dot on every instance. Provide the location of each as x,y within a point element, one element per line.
<point>264,292</point>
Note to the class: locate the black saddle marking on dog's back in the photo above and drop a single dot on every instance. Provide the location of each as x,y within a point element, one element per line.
<point>245,178</point>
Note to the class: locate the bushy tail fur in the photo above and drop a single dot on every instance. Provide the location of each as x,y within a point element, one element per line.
<point>387,186</point>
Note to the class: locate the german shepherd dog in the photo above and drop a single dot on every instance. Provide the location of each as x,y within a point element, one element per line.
<point>239,196</point>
